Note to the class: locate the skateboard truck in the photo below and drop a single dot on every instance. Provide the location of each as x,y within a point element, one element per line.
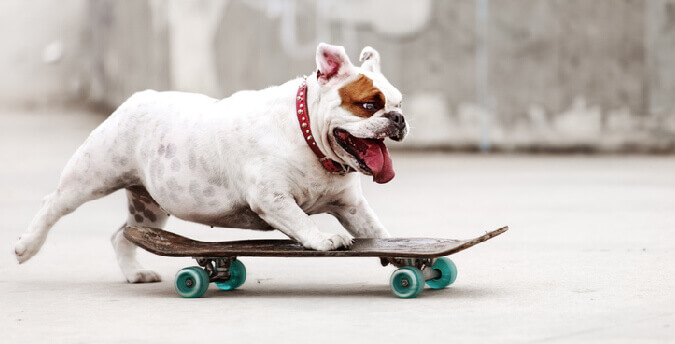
<point>218,269</point>
<point>423,264</point>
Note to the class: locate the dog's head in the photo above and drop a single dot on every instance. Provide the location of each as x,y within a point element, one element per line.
<point>360,109</point>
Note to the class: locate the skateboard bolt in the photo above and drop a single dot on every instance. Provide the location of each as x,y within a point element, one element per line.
<point>189,282</point>
<point>405,282</point>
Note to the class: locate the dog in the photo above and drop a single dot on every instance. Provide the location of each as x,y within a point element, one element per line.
<point>259,160</point>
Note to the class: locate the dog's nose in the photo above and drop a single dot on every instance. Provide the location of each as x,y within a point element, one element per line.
<point>397,128</point>
<point>396,118</point>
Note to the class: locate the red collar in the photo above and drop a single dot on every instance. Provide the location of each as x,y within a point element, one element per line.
<point>302,111</point>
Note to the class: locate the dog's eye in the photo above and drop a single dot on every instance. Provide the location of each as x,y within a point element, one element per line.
<point>368,106</point>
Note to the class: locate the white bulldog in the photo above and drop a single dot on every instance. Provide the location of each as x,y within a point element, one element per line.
<point>257,160</point>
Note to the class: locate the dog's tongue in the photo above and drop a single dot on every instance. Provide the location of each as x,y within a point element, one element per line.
<point>378,160</point>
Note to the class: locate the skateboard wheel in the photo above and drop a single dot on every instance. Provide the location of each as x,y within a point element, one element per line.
<point>448,271</point>
<point>237,276</point>
<point>192,282</point>
<point>407,282</point>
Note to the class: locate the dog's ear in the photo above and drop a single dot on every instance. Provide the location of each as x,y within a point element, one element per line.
<point>370,59</point>
<point>332,63</point>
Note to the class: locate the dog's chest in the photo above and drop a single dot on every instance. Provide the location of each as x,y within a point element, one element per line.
<point>320,195</point>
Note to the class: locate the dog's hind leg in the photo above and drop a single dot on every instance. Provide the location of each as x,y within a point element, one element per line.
<point>98,168</point>
<point>143,211</point>
<point>75,188</point>
<point>53,207</point>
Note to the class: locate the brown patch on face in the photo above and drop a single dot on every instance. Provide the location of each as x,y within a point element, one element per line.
<point>358,92</point>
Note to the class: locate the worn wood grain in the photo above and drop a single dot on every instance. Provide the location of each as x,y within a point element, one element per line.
<point>163,243</point>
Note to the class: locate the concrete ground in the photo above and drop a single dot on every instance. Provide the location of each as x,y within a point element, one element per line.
<point>590,257</point>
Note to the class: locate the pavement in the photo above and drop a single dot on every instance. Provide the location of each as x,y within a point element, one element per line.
<point>590,257</point>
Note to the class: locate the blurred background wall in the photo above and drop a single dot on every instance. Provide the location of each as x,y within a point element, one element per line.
<point>44,59</point>
<point>517,75</point>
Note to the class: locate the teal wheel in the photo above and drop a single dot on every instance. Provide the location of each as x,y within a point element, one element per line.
<point>192,282</point>
<point>448,271</point>
<point>407,282</point>
<point>237,276</point>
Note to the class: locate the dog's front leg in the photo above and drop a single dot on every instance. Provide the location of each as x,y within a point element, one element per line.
<point>359,219</point>
<point>284,214</point>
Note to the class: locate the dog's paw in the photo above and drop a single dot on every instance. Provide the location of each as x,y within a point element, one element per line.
<point>143,276</point>
<point>330,242</point>
<point>26,247</point>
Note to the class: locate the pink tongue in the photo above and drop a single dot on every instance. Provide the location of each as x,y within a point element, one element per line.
<point>378,160</point>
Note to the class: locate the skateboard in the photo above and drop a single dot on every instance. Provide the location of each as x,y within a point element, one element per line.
<point>420,260</point>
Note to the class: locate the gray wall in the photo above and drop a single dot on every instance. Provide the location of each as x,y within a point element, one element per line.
<point>44,59</point>
<point>504,75</point>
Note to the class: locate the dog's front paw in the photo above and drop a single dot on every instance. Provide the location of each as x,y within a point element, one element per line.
<point>329,242</point>
<point>143,276</point>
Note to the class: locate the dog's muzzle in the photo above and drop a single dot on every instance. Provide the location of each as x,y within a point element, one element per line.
<point>397,125</point>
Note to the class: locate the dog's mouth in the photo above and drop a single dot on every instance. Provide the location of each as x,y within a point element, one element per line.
<point>371,154</point>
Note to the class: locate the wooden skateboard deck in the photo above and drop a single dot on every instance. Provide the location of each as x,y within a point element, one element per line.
<point>163,243</point>
<point>421,260</point>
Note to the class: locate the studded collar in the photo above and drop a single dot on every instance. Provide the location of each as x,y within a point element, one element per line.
<point>302,112</point>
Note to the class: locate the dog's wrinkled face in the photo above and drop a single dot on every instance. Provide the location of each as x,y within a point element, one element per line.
<point>361,109</point>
